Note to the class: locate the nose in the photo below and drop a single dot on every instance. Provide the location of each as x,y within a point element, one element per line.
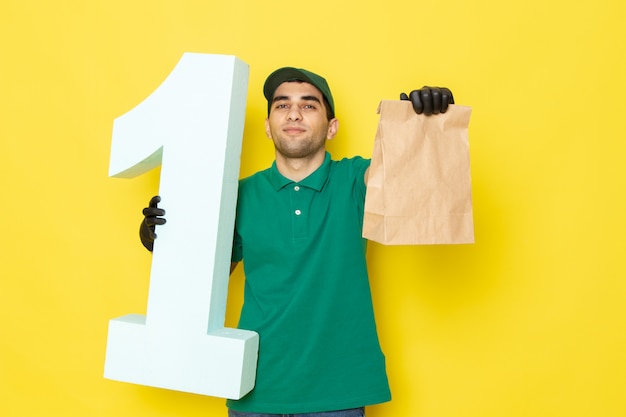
<point>294,113</point>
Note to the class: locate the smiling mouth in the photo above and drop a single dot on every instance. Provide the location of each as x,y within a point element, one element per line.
<point>293,130</point>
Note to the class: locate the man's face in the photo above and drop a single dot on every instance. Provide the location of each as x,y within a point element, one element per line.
<point>297,123</point>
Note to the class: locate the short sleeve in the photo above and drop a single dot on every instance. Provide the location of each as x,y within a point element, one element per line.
<point>237,254</point>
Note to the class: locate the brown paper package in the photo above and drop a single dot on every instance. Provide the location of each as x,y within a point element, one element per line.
<point>419,183</point>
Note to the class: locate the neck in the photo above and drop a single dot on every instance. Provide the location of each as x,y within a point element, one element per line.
<point>297,169</point>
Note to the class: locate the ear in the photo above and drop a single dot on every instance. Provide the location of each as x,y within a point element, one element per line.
<point>333,126</point>
<point>268,131</point>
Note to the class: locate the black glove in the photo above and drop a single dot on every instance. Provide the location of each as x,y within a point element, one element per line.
<point>148,224</point>
<point>429,100</point>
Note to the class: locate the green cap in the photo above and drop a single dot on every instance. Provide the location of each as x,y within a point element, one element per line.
<point>282,75</point>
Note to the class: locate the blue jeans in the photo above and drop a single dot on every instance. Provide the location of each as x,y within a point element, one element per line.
<point>353,412</point>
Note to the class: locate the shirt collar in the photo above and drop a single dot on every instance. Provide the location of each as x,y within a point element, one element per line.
<point>315,180</point>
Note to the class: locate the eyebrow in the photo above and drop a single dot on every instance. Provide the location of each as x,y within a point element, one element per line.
<point>304,98</point>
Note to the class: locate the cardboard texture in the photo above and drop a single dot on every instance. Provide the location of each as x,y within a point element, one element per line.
<point>419,183</point>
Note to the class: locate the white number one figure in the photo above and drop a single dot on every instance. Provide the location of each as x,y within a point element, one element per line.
<point>193,126</point>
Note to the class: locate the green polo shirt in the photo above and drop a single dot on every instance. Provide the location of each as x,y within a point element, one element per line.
<point>307,292</point>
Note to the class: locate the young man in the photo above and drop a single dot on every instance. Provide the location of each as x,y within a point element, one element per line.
<point>298,231</point>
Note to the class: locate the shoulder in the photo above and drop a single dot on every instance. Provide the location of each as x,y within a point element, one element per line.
<point>256,178</point>
<point>353,166</point>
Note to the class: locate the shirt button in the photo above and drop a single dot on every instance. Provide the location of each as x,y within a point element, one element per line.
<point>298,212</point>
<point>297,188</point>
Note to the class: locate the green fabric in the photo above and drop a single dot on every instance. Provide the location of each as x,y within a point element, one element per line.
<point>307,292</point>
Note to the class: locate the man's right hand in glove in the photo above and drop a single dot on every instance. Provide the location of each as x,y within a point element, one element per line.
<point>152,217</point>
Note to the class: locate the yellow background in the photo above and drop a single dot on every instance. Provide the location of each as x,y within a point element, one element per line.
<point>529,321</point>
